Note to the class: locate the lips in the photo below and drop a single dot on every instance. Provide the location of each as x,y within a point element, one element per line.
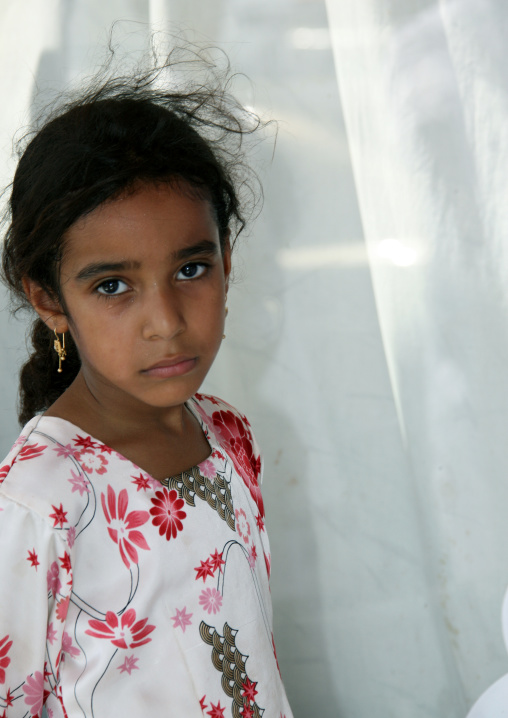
<point>172,366</point>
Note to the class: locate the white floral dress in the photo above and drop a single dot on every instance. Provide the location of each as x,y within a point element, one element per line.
<point>124,596</point>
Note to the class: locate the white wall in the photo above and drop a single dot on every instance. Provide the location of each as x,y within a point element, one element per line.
<point>373,371</point>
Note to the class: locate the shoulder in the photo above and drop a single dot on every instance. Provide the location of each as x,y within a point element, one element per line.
<point>41,471</point>
<point>231,430</point>
<point>222,419</point>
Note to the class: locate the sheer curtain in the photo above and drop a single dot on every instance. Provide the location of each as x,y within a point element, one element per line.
<point>367,337</point>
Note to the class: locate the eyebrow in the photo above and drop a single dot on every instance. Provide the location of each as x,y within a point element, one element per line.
<point>96,268</point>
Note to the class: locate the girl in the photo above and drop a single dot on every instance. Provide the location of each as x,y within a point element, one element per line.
<point>135,561</point>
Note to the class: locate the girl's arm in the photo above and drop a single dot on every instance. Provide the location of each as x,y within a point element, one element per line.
<point>35,588</point>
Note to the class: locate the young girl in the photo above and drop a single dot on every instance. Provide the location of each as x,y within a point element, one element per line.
<point>134,563</point>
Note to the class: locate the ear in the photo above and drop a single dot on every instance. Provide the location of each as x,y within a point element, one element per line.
<point>226,259</point>
<point>46,306</point>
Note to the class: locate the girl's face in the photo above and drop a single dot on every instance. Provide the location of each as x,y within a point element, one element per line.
<point>144,285</point>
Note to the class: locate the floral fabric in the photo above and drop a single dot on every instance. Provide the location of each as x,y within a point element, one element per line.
<point>122,595</point>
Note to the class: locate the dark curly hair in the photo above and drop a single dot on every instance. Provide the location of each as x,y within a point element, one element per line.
<point>120,131</point>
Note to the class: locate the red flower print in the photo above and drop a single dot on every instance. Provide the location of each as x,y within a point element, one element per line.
<point>238,439</point>
<point>129,633</point>
<point>123,526</point>
<point>206,569</point>
<point>34,692</point>
<point>167,513</point>
<point>246,712</point>
<point>275,654</point>
<point>9,698</point>
<point>142,482</point>
<point>217,561</point>
<point>33,558</point>
<point>211,600</point>
<point>65,562</point>
<point>59,517</point>
<point>216,711</point>
<point>54,583</point>
<point>5,644</point>
<point>242,525</point>
<point>268,563</point>
<point>202,701</point>
<point>85,442</point>
<point>30,451</point>
<point>61,609</point>
<point>249,690</point>
<point>105,450</point>
<point>91,462</point>
<point>4,471</point>
<point>260,523</point>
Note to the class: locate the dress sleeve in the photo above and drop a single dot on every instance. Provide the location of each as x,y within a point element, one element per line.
<point>35,588</point>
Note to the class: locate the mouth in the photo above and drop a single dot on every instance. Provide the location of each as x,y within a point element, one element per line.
<point>172,366</point>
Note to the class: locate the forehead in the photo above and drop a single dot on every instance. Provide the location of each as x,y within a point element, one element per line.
<point>156,219</point>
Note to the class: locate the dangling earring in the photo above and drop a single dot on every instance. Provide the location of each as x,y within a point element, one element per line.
<point>225,314</point>
<point>60,350</point>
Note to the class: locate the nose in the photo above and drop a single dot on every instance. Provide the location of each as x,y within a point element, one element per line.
<point>162,313</point>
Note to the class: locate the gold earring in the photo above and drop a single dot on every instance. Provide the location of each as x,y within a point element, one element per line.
<point>60,350</point>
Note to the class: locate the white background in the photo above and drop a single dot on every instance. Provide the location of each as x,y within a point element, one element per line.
<point>367,337</point>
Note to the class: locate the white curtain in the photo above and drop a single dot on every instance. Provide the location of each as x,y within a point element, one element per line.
<point>367,338</point>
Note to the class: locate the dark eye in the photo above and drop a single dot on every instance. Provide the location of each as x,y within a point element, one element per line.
<point>112,287</point>
<point>191,270</point>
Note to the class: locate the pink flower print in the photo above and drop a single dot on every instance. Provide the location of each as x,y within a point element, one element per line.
<point>126,634</point>
<point>54,583</point>
<point>62,608</point>
<point>51,633</point>
<point>242,525</point>
<point>207,469</point>
<point>79,483</point>
<point>167,513</point>
<point>129,665</point>
<point>211,600</point>
<point>182,619</point>
<point>68,647</point>
<point>20,440</point>
<point>66,450</point>
<point>34,692</point>
<point>5,645</point>
<point>237,437</point>
<point>71,536</point>
<point>91,462</point>
<point>30,451</point>
<point>122,525</point>
<point>252,556</point>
